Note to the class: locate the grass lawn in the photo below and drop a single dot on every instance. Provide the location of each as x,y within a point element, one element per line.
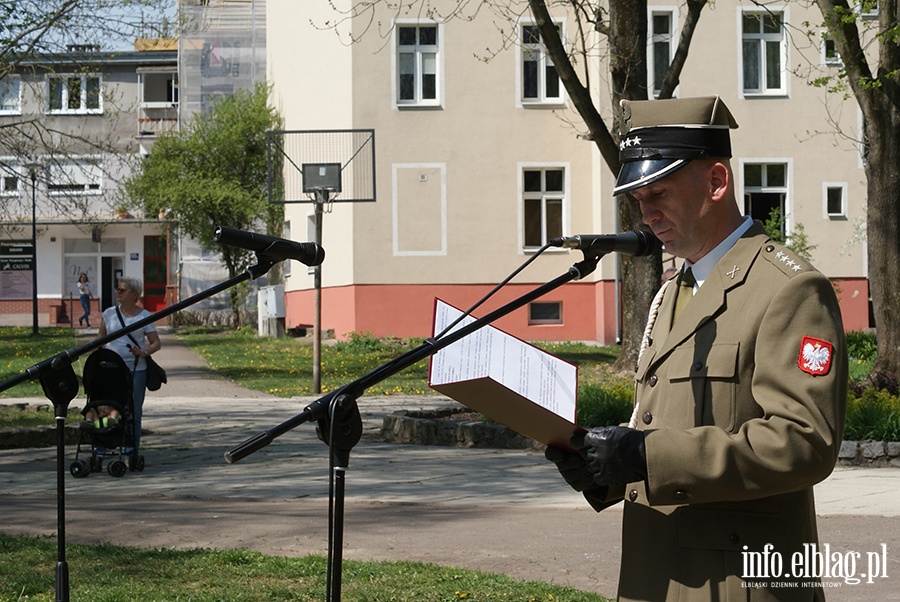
<point>283,367</point>
<point>107,573</point>
<point>19,350</point>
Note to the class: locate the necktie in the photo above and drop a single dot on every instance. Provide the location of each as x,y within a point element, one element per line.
<point>686,284</point>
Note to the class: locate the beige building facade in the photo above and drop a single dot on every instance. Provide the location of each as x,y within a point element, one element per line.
<point>480,157</point>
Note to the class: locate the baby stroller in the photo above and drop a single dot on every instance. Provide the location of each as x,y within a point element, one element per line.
<point>107,382</point>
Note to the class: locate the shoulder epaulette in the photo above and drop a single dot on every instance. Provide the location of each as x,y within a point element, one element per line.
<point>785,259</point>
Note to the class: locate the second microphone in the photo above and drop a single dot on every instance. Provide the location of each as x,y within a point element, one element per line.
<point>635,242</point>
<point>271,247</point>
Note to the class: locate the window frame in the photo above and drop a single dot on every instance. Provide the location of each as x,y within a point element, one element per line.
<point>786,189</point>
<point>64,79</point>
<point>871,13</point>
<point>57,166</point>
<point>671,13</point>
<point>761,39</point>
<point>532,321</point>
<point>844,188</point>
<point>11,169</point>
<point>5,83</point>
<point>830,61</point>
<point>522,48</point>
<point>544,195</point>
<point>419,51</point>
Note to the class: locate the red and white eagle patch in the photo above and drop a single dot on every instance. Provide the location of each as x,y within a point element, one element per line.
<point>815,356</point>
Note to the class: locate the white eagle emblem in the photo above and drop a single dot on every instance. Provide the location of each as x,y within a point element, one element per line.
<point>815,356</point>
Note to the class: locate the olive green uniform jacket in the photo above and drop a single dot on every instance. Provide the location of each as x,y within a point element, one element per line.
<point>742,405</point>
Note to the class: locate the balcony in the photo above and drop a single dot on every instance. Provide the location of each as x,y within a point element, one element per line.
<point>158,112</point>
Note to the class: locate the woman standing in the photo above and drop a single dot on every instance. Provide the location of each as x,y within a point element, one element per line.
<point>85,296</point>
<point>124,313</point>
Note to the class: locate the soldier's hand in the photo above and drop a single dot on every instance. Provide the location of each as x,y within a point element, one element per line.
<point>614,454</point>
<point>572,467</point>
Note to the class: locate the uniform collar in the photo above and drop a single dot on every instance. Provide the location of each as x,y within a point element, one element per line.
<point>704,266</point>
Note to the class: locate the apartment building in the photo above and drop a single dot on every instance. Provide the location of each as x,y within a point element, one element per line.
<point>480,159</point>
<point>73,125</point>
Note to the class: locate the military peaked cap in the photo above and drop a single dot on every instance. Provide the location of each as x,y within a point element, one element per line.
<point>663,135</point>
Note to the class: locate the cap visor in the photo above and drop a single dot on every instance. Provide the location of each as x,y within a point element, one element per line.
<point>636,174</point>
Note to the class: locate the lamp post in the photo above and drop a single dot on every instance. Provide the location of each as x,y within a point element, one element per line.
<point>32,172</point>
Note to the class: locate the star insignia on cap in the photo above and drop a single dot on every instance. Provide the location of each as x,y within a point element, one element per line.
<point>636,141</point>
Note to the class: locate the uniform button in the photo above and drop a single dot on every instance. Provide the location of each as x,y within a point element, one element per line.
<point>633,495</point>
<point>698,366</point>
<point>769,248</point>
<point>647,417</point>
<point>653,380</point>
<point>680,495</point>
<point>734,538</point>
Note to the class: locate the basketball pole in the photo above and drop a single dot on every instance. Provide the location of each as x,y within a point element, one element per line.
<point>321,199</point>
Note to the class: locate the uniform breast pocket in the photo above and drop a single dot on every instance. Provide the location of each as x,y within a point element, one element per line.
<point>709,373</point>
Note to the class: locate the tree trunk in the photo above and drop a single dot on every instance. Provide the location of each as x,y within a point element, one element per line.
<point>878,95</point>
<point>882,226</point>
<point>627,33</point>
<point>640,276</point>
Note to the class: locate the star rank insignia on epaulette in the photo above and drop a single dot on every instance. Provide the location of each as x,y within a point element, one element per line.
<point>788,261</point>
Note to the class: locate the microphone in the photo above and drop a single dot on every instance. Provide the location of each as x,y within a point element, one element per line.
<point>635,242</point>
<point>271,247</point>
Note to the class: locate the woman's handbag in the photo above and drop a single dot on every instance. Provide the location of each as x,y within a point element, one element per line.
<point>156,376</point>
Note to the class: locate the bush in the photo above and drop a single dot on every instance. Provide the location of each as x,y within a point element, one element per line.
<point>862,345</point>
<point>607,404</point>
<point>873,415</point>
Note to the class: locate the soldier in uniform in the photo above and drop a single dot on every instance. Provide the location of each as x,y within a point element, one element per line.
<point>740,387</point>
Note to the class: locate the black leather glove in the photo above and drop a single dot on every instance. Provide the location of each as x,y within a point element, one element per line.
<point>572,467</point>
<point>574,470</point>
<point>614,454</point>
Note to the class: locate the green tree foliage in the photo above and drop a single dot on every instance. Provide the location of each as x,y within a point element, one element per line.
<point>797,241</point>
<point>213,173</point>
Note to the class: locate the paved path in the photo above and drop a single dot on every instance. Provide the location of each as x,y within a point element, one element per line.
<point>496,510</point>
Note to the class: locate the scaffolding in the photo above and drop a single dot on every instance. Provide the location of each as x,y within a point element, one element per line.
<point>222,48</point>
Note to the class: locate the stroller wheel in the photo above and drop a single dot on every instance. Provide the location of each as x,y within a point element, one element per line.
<point>96,464</point>
<point>135,462</point>
<point>79,469</point>
<point>116,468</point>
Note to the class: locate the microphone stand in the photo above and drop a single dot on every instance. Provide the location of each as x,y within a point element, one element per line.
<point>60,385</point>
<point>340,425</point>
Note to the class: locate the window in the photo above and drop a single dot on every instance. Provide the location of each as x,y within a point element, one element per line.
<point>835,199</point>
<point>830,55</point>
<point>540,81</point>
<point>868,9</point>
<point>159,90</point>
<point>418,65</point>
<point>10,177</point>
<point>10,95</point>
<point>661,47</point>
<point>79,176</point>
<point>543,196</point>
<point>9,184</point>
<point>765,190</point>
<point>77,94</point>
<point>764,53</point>
<point>545,312</point>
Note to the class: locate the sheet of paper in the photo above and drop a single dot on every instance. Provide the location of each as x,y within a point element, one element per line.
<point>491,353</point>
